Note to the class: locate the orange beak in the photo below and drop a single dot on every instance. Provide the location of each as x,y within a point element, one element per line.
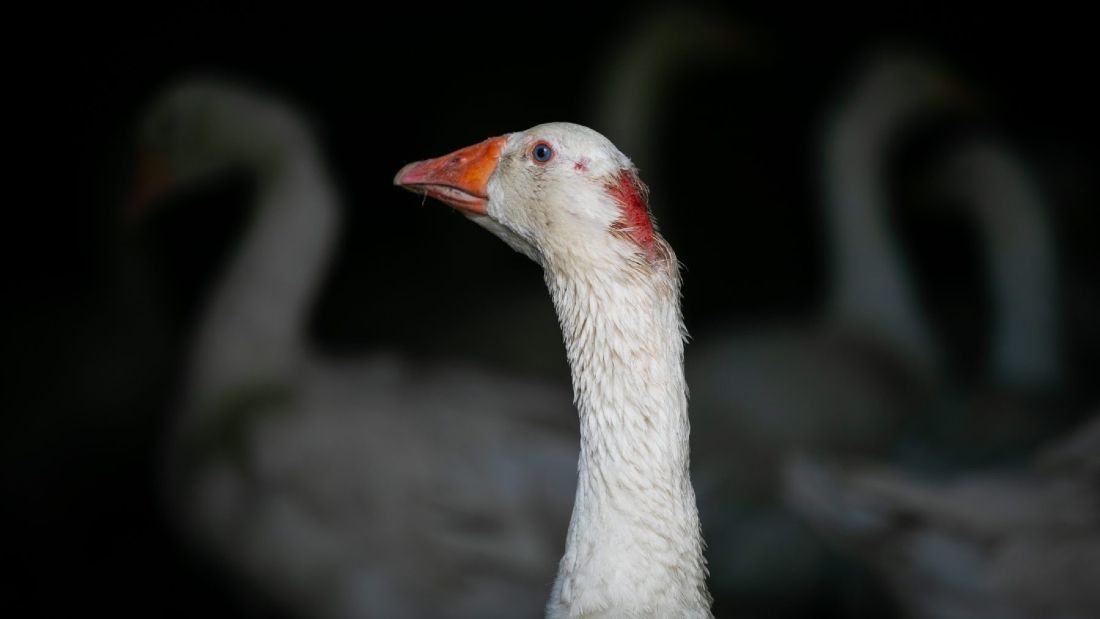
<point>459,179</point>
<point>152,178</point>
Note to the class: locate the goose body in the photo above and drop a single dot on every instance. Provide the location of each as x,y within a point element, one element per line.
<point>341,498</point>
<point>374,487</point>
<point>566,197</point>
<point>847,380</point>
<point>1019,544</point>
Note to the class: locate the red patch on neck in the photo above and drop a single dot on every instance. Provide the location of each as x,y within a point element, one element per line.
<point>632,196</point>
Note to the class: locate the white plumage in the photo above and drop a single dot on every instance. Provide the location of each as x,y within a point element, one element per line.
<point>634,546</point>
<point>344,489</point>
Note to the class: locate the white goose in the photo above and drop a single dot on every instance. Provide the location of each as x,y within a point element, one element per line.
<point>862,366</point>
<point>566,197</point>
<point>871,285</point>
<point>335,489</point>
<point>846,381</point>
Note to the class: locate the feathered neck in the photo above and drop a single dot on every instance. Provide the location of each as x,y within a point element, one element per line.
<point>253,329</point>
<point>634,545</point>
<point>1021,257</point>
<point>871,284</point>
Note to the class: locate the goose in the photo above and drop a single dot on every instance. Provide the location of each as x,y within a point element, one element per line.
<point>871,344</point>
<point>328,487</point>
<point>1001,543</point>
<point>847,380</point>
<point>564,196</point>
<point>871,284</point>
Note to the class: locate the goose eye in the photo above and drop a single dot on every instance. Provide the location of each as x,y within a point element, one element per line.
<point>542,152</point>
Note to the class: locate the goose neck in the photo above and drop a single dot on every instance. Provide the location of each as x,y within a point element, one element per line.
<point>634,540</point>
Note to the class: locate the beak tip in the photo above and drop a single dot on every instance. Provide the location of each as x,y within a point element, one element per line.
<point>398,178</point>
<point>459,179</point>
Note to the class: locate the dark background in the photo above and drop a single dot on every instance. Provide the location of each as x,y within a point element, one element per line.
<point>102,311</point>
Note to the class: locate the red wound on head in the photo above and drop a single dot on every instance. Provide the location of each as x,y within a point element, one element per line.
<point>632,196</point>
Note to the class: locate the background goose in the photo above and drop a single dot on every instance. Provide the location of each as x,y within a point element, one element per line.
<point>845,382</point>
<point>979,544</point>
<point>374,487</point>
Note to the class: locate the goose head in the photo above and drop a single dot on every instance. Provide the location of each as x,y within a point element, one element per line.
<point>560,193</point>
<point>893,88</point>
<point>199,129</point>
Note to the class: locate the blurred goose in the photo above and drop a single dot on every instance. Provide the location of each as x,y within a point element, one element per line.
<point>844,383</point>
<point>841,383</point>
<point>1006,544</point>
<point>330,488</point>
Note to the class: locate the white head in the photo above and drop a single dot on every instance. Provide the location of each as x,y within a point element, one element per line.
<point>560,193</point>
<point>200,128</point>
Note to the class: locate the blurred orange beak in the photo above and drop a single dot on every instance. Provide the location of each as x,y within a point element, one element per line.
<point>151,179</point>
<point>459,179</point>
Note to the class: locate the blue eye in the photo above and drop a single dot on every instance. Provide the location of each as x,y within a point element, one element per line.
<point>542,152</point>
